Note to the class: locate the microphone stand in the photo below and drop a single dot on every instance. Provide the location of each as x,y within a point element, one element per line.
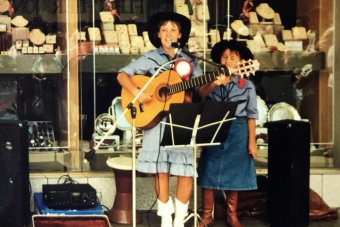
<point>132,109</point>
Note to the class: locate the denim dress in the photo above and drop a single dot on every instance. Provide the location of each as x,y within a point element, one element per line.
<point>154,158</point>
<point>229,166</point>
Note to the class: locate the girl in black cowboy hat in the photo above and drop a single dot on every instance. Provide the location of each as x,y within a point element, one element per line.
<point>163,29</point>
<point>229,166</point>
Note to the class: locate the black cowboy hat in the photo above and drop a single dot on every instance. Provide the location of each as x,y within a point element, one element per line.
<point>155,19</point>
<point>233,45</point>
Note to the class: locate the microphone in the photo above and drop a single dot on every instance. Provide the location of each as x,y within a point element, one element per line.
<point>174,44</point>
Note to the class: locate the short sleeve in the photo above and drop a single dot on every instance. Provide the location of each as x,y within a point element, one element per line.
<point>251,108</point>
<point>138,66</point>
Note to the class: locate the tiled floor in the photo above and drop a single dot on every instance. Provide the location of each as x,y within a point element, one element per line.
<point>152,220</point>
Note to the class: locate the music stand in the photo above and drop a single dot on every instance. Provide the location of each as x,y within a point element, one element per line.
<point>197,124</point>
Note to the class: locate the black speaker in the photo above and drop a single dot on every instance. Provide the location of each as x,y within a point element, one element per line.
<point>14,177</point>
<point>288,173</point>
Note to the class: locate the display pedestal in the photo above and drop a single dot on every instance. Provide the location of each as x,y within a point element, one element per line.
<point>121,211</point>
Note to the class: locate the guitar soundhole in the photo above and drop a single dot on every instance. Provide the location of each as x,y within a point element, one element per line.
<point>163,92</point>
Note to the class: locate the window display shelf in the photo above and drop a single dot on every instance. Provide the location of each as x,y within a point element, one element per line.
<point>276,61</point>
<point>50,64</point>
<point>28,64</point>
<point>286,61</point>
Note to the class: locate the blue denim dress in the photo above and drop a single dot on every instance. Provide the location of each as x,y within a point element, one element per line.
<point>229,166</point>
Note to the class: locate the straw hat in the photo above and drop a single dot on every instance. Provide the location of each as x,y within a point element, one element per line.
<point>156,19</point>
<point>19,21</point>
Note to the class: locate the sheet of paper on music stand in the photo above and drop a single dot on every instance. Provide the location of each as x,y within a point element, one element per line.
<point>179,128</point>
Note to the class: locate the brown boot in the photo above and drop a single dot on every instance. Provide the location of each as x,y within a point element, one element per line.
<point>208,205</point>
<point>232,200</point>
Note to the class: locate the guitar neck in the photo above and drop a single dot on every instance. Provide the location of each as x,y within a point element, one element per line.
<point>244,68</point>
<point>196,82</point>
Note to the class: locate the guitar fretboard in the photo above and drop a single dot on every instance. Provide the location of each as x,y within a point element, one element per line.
<point>245,68</point>
<point>195,82</point>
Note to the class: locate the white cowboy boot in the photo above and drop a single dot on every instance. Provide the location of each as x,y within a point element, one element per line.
<point>181,213</point>
<point>165,210</point>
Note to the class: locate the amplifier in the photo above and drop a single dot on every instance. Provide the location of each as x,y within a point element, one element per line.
<point>69,196</point>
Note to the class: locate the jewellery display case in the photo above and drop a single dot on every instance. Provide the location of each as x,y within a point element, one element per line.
<point>35,76</point>
<point>59,62</point>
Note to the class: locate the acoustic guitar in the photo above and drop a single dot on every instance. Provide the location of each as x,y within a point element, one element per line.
<point>168,88</point>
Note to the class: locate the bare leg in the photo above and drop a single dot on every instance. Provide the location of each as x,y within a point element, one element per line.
<point>184,188</point>
<point>162,186</point>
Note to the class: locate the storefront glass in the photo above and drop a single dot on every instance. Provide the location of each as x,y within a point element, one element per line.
<point>60,60</point>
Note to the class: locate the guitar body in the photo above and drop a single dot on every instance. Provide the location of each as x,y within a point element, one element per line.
<point>168,88</point>
<point>153,111</point>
